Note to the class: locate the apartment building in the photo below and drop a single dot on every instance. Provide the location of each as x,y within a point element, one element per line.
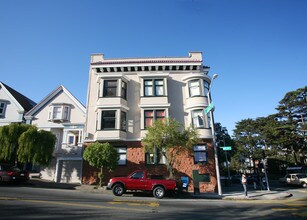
<point>125,95</point>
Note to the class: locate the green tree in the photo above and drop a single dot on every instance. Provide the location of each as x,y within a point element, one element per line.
<point>101,156</point>
<point>9,135</point>
<point>36,146</point>
<point>171,139</point>
<point>25,144</point>
<point>248,141</point>
<point>292,113</point>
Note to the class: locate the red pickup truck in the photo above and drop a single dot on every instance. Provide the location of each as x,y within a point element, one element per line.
<point>138,180</point>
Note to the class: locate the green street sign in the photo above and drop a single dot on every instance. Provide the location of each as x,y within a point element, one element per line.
<point>226,148</point>
<point>209,108</point>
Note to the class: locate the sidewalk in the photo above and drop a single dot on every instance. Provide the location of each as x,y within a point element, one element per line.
<point>234,192</point>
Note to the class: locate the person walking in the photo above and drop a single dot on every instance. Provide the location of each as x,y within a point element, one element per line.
<point>264,186</point>
<point>244,183</point>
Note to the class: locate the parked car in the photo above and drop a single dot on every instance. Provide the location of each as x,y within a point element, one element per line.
<point>10,173</point>
<point>139,181</point>
<point>298,179</point>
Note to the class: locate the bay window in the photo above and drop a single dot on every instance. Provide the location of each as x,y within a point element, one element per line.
<point>109,88</point>
<point>194,88</point>
<point>108,120</point>
<point>59,112</point>
<point>198,118</point>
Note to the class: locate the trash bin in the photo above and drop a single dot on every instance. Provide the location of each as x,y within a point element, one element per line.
<point>185,183</point>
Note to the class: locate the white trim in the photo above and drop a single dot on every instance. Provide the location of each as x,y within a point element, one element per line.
<point>109,107</point>
<point>11,97</point>
<point>50,97</point>
<point>196,76</point>
<point>151,75</point>
<point>155,106</point>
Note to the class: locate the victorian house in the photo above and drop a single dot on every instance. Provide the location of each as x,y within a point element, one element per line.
<point>63,115</point>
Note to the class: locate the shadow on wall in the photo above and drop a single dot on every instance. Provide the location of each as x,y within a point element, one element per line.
<point>69,171</point>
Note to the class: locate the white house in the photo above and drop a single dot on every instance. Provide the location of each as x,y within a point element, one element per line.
<point>62,114</point>
<point>13,105</point>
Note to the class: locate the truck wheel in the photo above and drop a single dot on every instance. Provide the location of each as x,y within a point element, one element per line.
<point>118,190</point>
<point>304,185</point>
<point>159,192</point>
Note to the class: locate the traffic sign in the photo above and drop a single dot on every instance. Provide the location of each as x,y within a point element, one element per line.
<point>209,108</point>
<point>226,147</point>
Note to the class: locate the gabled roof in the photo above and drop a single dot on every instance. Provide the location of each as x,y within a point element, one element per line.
<point>51,96</point>
<point>26,103</point>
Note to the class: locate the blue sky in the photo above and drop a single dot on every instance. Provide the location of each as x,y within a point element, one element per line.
<point>258,47</point>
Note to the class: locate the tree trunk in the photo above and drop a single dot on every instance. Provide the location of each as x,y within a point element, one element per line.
<point>101,177</point>
<point>294,155</point>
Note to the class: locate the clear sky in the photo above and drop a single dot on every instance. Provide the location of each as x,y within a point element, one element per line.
<point>258,47</point>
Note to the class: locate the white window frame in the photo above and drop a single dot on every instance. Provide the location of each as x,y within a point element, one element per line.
<point>102,127</point>
<point>200,154</point>
<point>153,88</point>
<point>198,119</point>
<point>122,153</point>
<point>194,90</point>
<point>154,157</point>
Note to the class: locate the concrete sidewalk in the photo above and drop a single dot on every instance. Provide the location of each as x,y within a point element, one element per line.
<point>234,192</point>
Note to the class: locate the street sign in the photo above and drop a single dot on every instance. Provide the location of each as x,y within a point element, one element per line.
<point>226,147</point>
<point>209,108</point>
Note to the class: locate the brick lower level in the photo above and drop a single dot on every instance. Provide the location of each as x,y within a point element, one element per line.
<point>136,160</point>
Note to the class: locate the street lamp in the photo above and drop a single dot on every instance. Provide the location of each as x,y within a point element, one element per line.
<point>217,170</point>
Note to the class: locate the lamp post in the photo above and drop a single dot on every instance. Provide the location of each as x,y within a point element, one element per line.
<point>217,170</point>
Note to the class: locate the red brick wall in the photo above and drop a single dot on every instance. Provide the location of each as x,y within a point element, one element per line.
<point>136,160</point>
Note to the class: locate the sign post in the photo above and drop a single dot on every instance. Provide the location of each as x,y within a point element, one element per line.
<point>227,148</point>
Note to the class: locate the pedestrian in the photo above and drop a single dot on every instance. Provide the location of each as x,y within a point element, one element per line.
<point>244,183</point>
<point>264,183</point>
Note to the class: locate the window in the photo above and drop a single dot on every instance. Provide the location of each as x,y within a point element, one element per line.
<point>109,88</point>
<point>122,152</point>
<point>198,118</point>
<point>138,175</point>
<point>200,154</point>
<point>194,88</point>
<point>154,87</point>
<point>66,113</point>
<point>152,115</point>
<point>124,90</point>
<point>2,109</point>
<point>123,121</point>
<point>59,112</point>
<point>148,88</point>
<point>159,87</point>
<point>108,119</point>
<point>71,140</point>
<point>155,157</point>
